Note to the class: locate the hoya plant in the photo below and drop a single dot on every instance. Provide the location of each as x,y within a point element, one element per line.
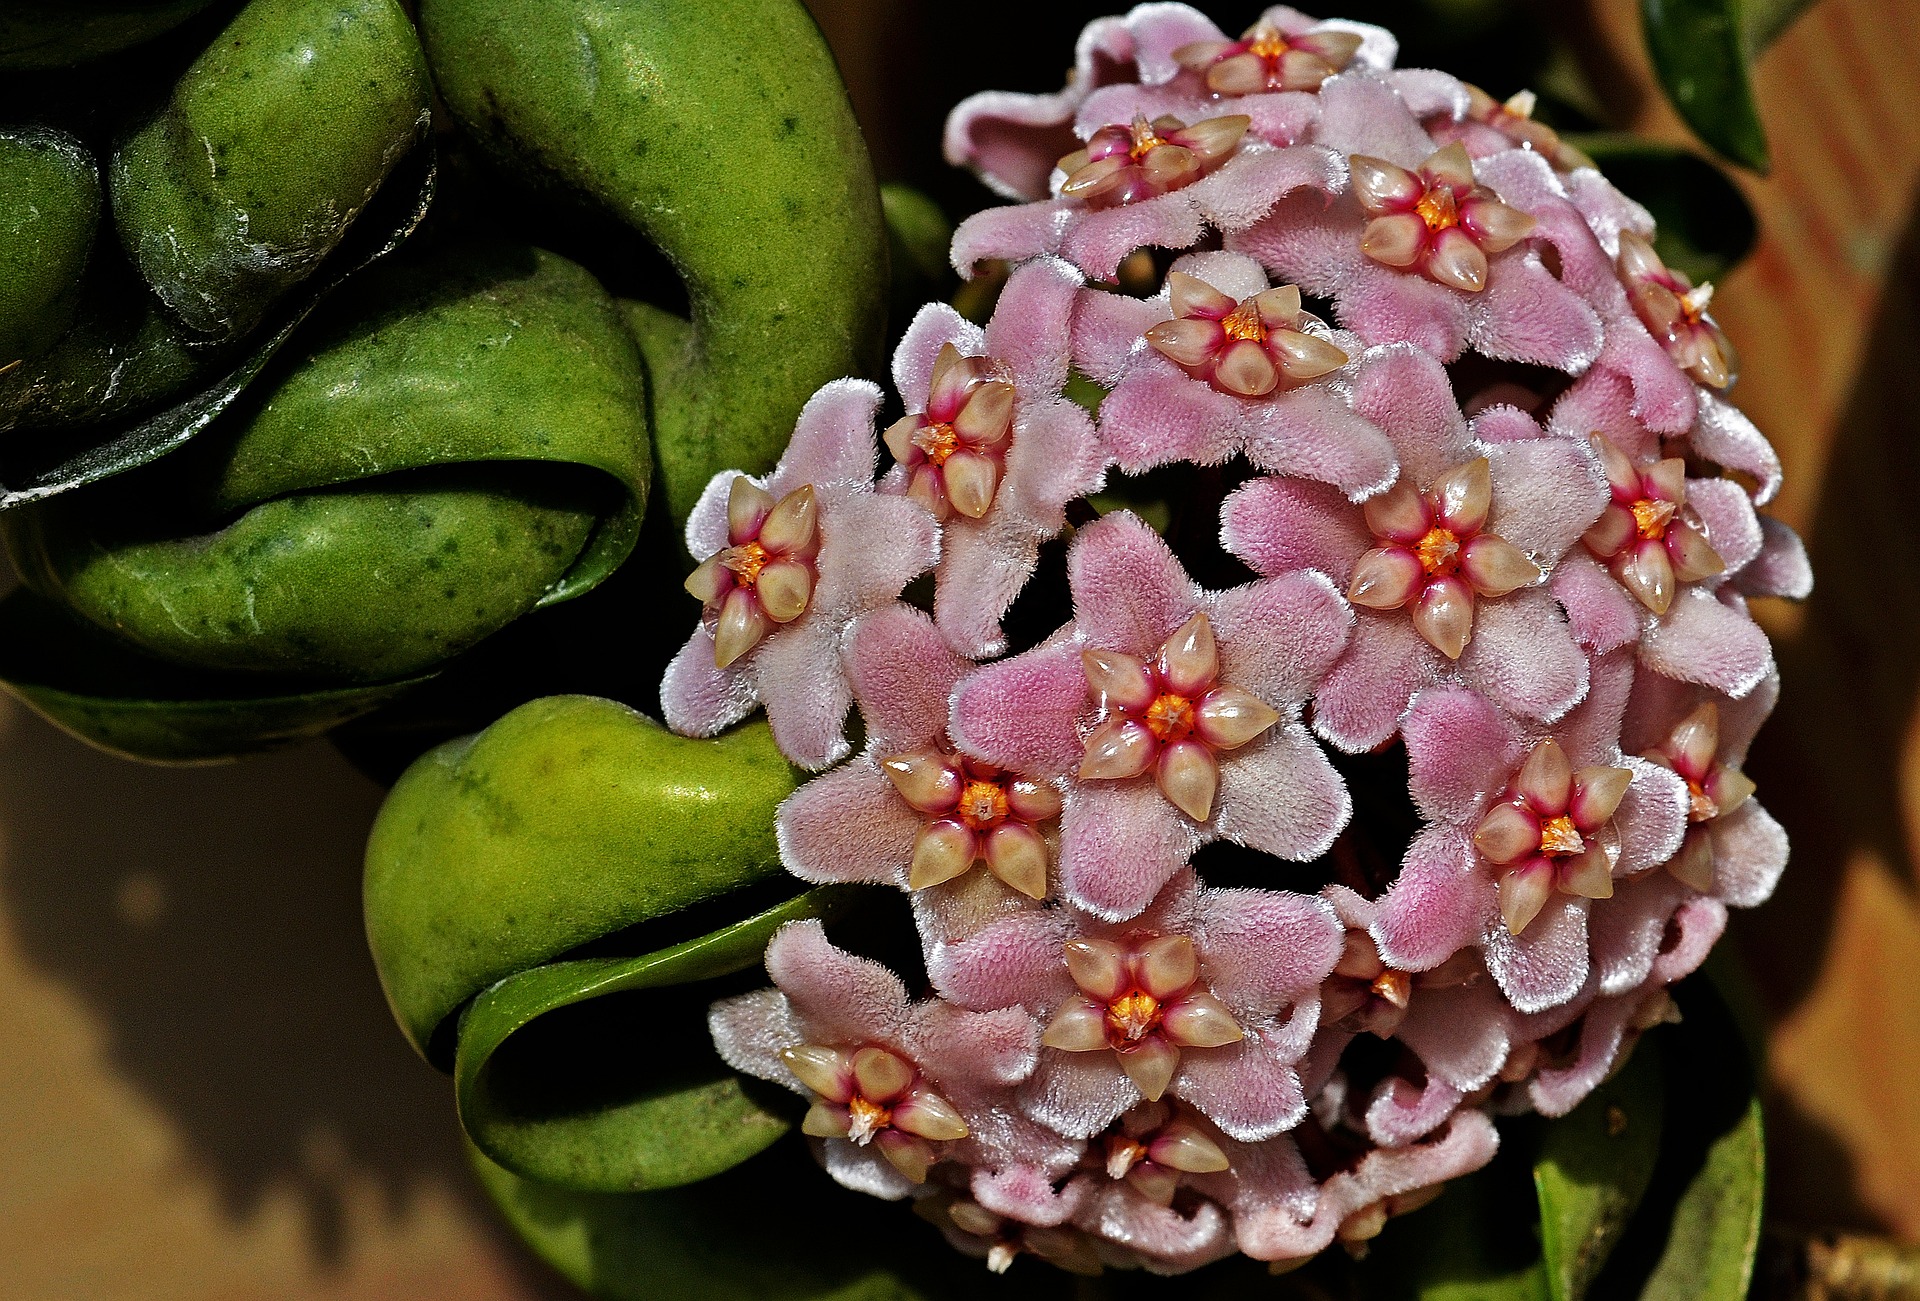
<point>1210,750</point>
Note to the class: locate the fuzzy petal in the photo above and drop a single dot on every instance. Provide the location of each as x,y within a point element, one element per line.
<point>1702,640</point>
<point>1247,1089</point>
<point>1439,904</point>
<point>1360,701</point>
<point>1129,590</point>
<point>1313,433</point>
<point>1279,636</point>
<point>1723,433</point>
<point>1120,842</point>
<point>1024,712</point>
<point>1280,794</point>
<point>847,825</point>
<point>1749,853</point>
<point>1547,964</point>
<point>1265,948</point>
<point>697,699</point>
<point>1460,752</point>
<point>1278,524</point>
<point>1523,658</point>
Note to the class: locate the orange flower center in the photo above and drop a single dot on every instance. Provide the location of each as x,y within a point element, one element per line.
<point>1559,838</point>
<point>1170,718</point>
<point>866,1118</point>
<point>1243,322</point>
<point>1394,986</point>
<point>1144,140</point>
<point>1650,516</point>
<point>982,804</point>
<point>1439,553</point>
<point>1123,1154</point>
<point>1131,1018</point>
<point>746,561</point>
<point>1437,208</point>
<point>1701,807</point>
<point>1268,44</point>
<point>938,440</point>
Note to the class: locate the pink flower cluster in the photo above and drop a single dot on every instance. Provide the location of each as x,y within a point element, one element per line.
<point>1536,593</point>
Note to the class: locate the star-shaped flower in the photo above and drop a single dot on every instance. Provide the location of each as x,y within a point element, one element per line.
<point>1170,712</point>
<point>788,562</point>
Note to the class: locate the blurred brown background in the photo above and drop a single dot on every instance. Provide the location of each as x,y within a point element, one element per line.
<point>201,1095</point>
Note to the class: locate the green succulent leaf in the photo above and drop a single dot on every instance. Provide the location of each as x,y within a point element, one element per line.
<point>621,1091</point>
<point>65,455</point>
<point>1716,1229</point>
<point>719,130</point>
<point>1701,53</point>
<point>569,820</point>
<point>140,708</point>
<point>1706,225</point>
<point>1593,1168</point>
<point>461,439</point>
<point>57,33</point>
<point>773,1229</point>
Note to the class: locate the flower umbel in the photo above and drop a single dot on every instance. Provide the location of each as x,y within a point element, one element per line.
<point>1266,59</point>
<point>1124,164</point>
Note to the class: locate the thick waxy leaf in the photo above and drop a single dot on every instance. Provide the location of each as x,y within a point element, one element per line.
<point>1475,1242</point>
<point>749,174</point>
<point>1716,1229</point>
<point>139,708</point>
<point>408,487</point>
<point>570,819</point>
<point>598,1073</point>
<point>1706,226</point>
<point>1698,1228</point>
<point>49,211</point>
<point>1593,1168</point>
<point>55,33</point>
<point>56,460</point>
<point>1700,52</point>
<point>306,104</point>
<point>773,1229</point>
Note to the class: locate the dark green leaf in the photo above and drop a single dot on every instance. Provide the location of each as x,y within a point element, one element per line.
<point>1715,1233</point>
<point>1593,1168</point>
<point>1768,20</point>
<point>139,708</point>
<point>1700,53</point>
<point>773,1229</point>
<point>33,469</point>
<point>616,1094</point>
<point>1475,1242</point>
<point>1706,226</point>
<point>1698,1228</point>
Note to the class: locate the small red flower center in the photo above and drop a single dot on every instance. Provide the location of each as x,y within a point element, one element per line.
<point>1701,807</point>
<point>1650,517</point>
<point>1132,1017</point>
<point>868,1118</point>
<point>1170,718</point>
<point>983,804</point>
<point>938,440</point>
<point>1438,208</point>
<point>1559,838</point>
<point>1439,553</point>
<point>746,561</point>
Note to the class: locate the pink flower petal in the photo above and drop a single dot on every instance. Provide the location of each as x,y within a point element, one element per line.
<point>1732,527</point>
<point>1281,795</point>
<point>1120,842</point>
<point>1278,524</point>
<point>1546,493</point>
<point>1702,640</point>
<point>697,699</point>
<point>1246,1088</point>
<point>848,825</point>
<point>932,328</point>
<point>903,674</point>
<point>1523,658</point>
<point>1601,614</point>
<point>1408,394</point>
<point>1014,233</point>
<point>1400,1113</point>
<point>1312,433</point>
<point>1461,1033</point>
<point>1015,961</point>
<point>1360,113</point>
<point>832,441</point>
<point>1652,816</point>
<point>1096,241</point>
<point>1024,713</point>
<point>1439,904</point>
<point>1526,314</point>
<point>1545,965</point>
<point>1724,434</point>
<point>1460,753</point>
<point>836,996</point>
<point>806,707</point>
<point>1279,636</point>
<point>1265,948</point>
<point>750,1032</point>
<point>1129,590</point>
<point>1781,568</point>
<point>1749,853</point>
<point>1362,697</point>
<point>1157,415</point>
<point>1032,322</point>
<point>1077,1094</point>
